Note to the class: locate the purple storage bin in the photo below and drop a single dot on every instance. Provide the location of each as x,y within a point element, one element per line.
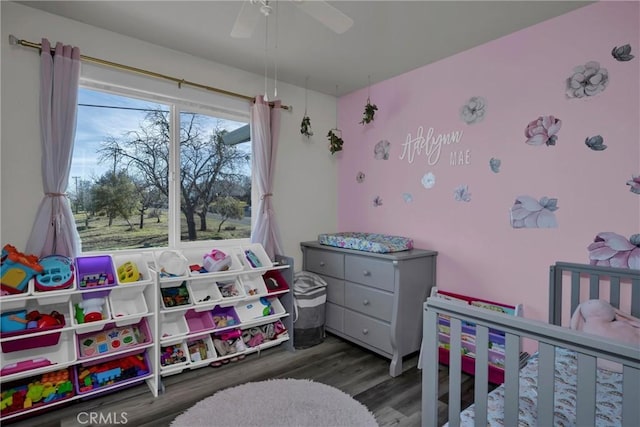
<point>82,388</point>
<point>112,339</point>
<point>95,273</point>
<point>32,342</point>
<point>199,321</point>
<point>224,314</point>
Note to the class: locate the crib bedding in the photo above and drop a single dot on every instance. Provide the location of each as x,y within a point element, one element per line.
<point>608,395</point>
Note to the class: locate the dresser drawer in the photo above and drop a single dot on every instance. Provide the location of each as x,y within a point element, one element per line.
<point>370,331</point>
<point>334,318</point>
<point>324,262</point>
<point>369,301</point>
<point>368,271</point>
<point>335,290</point>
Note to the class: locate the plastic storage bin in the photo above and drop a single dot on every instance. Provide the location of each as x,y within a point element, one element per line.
<point>201,349</point>
<point>59,386</point>
<point>113,339</point>
<point>95,272</point>
<point>175,297</point>
<point>132,269</point>
<point>253,285</point>
<point>172,325</point>
<point>48,318</point>
<point>127,305</point>
<point>213,262</point>
<point>85,307</point>
<point>230,289</point>
<point>199,321</point>
<point>204,292</point>
<point>224,317</point>
<point>259,309</point>
<point>173,355</point>
<point>62,353</point>
<point>111,372</point>
<point>255,257</point>
<point>275,282</point>
<point>171,265</point>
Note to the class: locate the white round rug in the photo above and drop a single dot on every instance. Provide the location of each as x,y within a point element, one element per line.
<point>286,402</point>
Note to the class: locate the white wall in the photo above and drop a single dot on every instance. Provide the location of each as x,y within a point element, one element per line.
<point>305,194</point>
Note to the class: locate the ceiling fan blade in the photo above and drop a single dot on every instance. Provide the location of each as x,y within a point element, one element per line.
<point>326,14</point>
<point>246,21</point>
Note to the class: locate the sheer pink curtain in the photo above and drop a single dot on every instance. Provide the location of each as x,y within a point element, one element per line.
<point>54,230</point>
<point>265,132</point>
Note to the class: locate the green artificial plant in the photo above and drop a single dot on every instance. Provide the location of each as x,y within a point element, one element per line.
<point>369,111</point>
<point>335,142</point>
<point>305,126</point>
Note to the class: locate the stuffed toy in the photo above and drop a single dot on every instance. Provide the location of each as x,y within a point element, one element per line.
<point>598,317</point>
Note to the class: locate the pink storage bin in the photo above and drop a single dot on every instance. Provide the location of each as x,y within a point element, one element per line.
<point>198,321</point>
<point>32,342</point>
<point>105,341</point>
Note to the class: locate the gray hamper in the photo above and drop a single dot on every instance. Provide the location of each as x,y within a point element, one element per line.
<point>310,295</point>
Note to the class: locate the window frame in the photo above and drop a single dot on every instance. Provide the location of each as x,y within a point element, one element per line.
<point>177,105</point>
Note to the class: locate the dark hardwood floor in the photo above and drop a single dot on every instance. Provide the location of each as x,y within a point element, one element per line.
<point>350,368</point>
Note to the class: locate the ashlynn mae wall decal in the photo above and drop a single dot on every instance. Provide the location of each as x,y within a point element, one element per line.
<point>587,80</point>
<point>528,212</point>
<point>474,110</point>
<point>462,194</point>
<point>428,180</point>
<point>543,130</point>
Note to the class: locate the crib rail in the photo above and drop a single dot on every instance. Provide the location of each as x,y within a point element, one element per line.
<point>588,348</point>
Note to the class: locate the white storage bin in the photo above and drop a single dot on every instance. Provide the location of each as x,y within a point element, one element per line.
<point>203,292</point>
<point>231,262</point>
<point>174,355</point>
<point>132,269</point>
<point>259,309</point>
<point>171,265</point>
<point>255,257</point>
<point>175,297</point>
<point>253,285</point>
<point>13,301</point>
<point>201,349</point>
<point>172,325</point>
<point>230,289</point>
<point>127,305</point>
<point>101,307</point>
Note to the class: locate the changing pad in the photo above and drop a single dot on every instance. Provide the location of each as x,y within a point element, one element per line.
<point>369,242</point>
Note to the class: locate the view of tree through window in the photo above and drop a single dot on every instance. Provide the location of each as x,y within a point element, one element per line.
<point>120,187</point>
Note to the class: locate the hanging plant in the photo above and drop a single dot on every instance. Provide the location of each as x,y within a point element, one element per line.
<point>335,142</point>
<point>305,126</point>
<point>369,111</point>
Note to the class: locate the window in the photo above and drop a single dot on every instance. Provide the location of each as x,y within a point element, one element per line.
<point>154,174</point>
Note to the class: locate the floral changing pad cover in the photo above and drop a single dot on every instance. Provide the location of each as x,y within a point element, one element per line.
<point>369,242</point>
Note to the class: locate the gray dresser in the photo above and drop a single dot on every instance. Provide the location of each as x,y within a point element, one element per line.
<point>375,300</point>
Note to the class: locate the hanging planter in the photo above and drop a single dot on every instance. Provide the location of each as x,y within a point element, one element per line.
<point>369,112</point>
<point>305,126</point>
<point>335,140</point>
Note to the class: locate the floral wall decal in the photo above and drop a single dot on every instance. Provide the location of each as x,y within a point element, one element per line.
<point>428,180</point>
<point>360,177</point>
<point>381,150</point>
<point>377,201</point>
<point>474,110</point>
<point>407,197</point>
<point>622,53</point>
<point>587,80</point>
<point>494,164</point>
<point>596,143</point>
<point>461,193</point>
<point>613,250</point>
<point>528,212</point>
<point>634,184</point>
<point>543,130</point>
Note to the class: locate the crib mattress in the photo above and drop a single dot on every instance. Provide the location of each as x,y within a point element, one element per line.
<point>369,242</point>
<point>608,395</point>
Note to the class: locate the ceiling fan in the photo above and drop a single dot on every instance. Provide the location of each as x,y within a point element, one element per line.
<point>322,11</point>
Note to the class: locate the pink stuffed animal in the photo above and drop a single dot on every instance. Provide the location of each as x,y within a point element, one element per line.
<point>598,317</point>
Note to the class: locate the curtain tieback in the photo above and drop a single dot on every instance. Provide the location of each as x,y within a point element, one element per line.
<point>55,194</point>
<point>264,196</point>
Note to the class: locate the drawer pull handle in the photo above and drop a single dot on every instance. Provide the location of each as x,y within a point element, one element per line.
<point>366,273</point>
<point>365,302</point>
<point>322,264</point>
<point>365,331</point>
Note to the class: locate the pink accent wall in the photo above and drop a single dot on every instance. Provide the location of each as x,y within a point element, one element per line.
<point>522,76</point>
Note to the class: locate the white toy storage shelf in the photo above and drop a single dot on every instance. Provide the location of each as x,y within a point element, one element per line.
<point>211,317</point>
<point>126,326</point>
<point>108,345</point>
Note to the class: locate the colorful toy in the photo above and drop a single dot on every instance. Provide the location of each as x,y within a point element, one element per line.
<point>172,355</point>
<point>16,269</point>
<point>50,387</point>
<point>13,321</point>
<point>128,272</point>
<point>175,296</point>
<point>111,372</point>
<point>91,310</point>
<point>57,273</point>
<point>96,280</point>
<point>110,340</point>
<point>252,258</point>
<point>216,260</point>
